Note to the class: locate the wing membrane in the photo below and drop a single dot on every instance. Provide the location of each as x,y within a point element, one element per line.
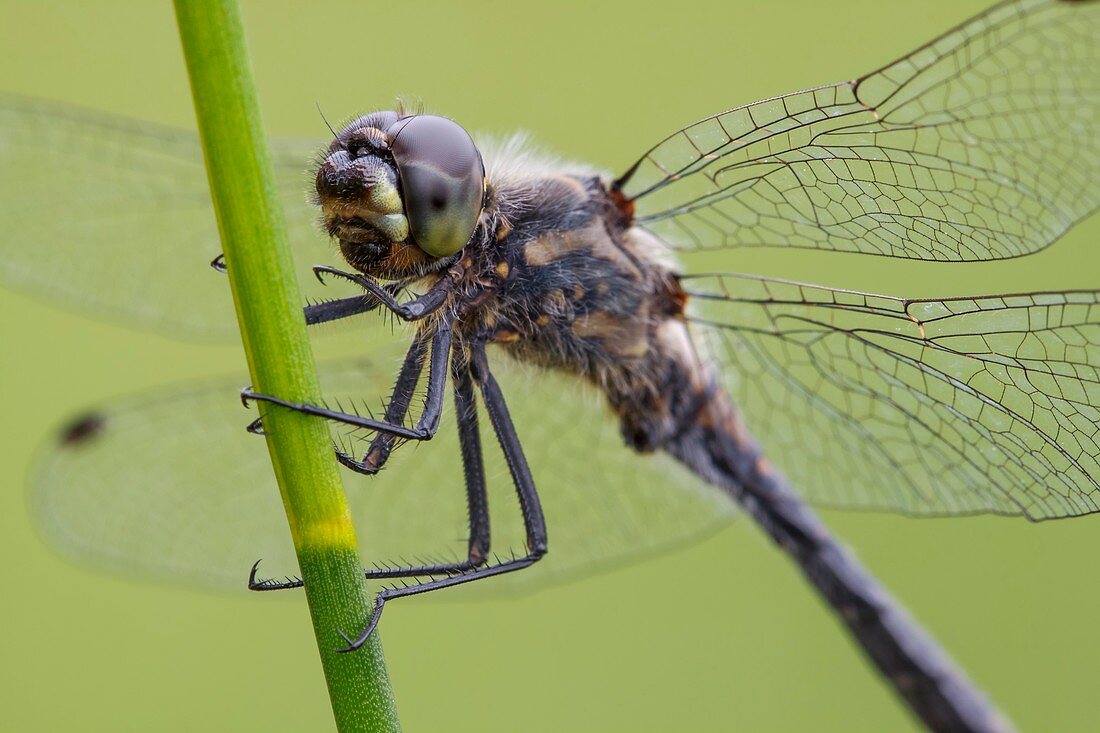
<point>113,217</point>
<point>171,486</point>
<point>983,144</point>
<point>954,406</point>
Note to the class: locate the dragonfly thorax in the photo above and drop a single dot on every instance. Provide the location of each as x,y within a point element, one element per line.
<point>570,284</point>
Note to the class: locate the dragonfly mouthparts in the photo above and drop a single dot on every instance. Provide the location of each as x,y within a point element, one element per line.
<point>364,227</point>
<point>359,199</point>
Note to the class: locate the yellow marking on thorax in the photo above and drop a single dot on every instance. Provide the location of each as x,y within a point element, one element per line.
<point>553,246</point>
<point>618,336</point>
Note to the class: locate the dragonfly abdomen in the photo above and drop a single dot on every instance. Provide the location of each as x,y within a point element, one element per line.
<point>717,447</point>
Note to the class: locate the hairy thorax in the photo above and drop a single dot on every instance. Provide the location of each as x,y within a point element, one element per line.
<point>574,287</point>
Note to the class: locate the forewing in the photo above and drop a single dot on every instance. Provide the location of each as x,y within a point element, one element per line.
<point>983,144</point>
<point>956,406</point>
<point>171,486</point>
<point>113,217</point>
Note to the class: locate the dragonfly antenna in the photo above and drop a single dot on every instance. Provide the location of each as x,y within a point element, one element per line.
<point>324,119</point>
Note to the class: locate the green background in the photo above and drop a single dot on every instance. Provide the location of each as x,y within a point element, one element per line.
<point>722,636</point>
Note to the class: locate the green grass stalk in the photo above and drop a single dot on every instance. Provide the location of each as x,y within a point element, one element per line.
<point>280,360</point>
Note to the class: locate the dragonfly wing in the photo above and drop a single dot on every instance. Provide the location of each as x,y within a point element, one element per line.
<point>113,217</point>
<point>982,144</point>
<point>171,486</point>
<point>965,405</point>
<point>167,486</point>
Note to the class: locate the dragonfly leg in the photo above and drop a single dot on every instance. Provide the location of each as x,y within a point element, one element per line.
<point>533,520</point>
<point>477,501</point>
<point>383,443</point>
<point>270,583</point>
<point>426,426</point>
<point>396,410</point>
<point>410,310</point>
<point>469,440</point>
<point>335,310</point>
<point>329,310</point>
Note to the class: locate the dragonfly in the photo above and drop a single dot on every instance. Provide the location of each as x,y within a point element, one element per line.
<point>655,405</point>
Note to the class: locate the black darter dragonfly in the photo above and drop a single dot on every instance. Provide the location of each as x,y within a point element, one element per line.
<point>983,144</point>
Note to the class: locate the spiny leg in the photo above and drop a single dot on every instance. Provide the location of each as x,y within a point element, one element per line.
<point>426,426</point>
<point>473,467</point>
<point>411,310</point>
<point>398,407</point>
<point>353,305</point>
<point>533,520</point>
<point>334,310</point>
<point>325,312</point>
<point>477,500</point>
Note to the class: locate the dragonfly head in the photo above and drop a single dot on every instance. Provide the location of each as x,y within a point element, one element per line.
<point>402,193</point>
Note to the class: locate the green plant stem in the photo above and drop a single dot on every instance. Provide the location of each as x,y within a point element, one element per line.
<point>280,360</point>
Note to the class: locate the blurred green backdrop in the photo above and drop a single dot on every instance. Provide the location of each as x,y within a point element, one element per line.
<point>722,636</point>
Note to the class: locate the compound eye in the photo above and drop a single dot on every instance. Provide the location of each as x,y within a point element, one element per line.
<point>442,180</point>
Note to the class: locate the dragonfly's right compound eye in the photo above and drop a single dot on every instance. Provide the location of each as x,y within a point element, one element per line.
<point>442,180</point>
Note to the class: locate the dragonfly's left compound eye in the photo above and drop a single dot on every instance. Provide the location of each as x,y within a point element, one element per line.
<point>442,180</point>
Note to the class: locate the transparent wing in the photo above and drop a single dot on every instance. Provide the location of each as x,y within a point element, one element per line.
<point>113,217</point>
<point>171,486</point>
<point>983,144</point>
<point>955,406</point>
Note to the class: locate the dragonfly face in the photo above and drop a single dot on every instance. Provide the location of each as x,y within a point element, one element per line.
<point>401,193</point>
